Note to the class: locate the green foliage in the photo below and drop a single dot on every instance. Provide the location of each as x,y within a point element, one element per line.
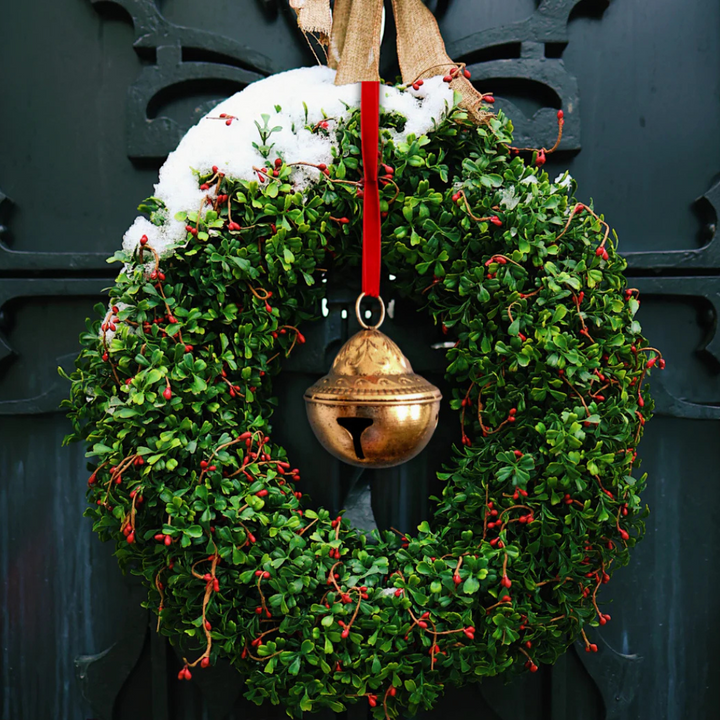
<point>541,490</point>
<point>265,131</point>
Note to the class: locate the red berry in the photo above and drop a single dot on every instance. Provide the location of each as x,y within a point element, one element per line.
<point>144,240</point>
<point>208,626</point>
<point>533,668</point>
<point>262,493</point>
<point>447,78</point>
<point>466,73</point>
<point>131,538</point>
<point>495,220</point>
<point>205,662</point>
<point>168,540</point>
<point>167,393</point>
<point>560,115</point>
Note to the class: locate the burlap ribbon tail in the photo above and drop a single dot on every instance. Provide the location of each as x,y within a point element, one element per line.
<point>351,34</point>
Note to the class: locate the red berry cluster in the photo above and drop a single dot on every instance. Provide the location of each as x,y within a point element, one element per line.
<point>228,118</point>
<point>458,71</point>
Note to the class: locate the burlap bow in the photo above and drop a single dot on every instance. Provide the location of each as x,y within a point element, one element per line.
<point>351,34</point>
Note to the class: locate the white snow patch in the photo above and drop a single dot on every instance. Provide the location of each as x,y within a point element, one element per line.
<point>212,142</point>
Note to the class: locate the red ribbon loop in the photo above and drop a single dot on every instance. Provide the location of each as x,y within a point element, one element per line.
<point>370,135</point>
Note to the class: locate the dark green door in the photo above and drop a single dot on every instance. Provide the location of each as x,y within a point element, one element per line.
<point>93,95</point>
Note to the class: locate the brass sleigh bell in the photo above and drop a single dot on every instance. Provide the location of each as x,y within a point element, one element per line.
<point>371,409</point>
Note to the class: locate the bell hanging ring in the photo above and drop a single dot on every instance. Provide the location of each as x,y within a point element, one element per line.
<point>371,410</point>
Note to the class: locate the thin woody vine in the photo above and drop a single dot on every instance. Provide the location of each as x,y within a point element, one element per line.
<point>173,395</point>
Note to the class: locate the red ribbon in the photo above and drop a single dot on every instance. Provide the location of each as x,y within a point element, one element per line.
<point>370,135</point>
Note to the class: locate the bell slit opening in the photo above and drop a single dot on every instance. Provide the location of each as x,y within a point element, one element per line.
<point>355,426</point>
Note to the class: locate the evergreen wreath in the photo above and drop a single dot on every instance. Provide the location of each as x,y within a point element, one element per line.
<point>173,395</point>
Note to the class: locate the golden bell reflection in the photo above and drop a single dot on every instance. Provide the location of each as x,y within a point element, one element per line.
<point>404,412</point>
<point>371,409</point>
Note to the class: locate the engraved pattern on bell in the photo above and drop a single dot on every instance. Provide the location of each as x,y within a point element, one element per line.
<point>371,409</point>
